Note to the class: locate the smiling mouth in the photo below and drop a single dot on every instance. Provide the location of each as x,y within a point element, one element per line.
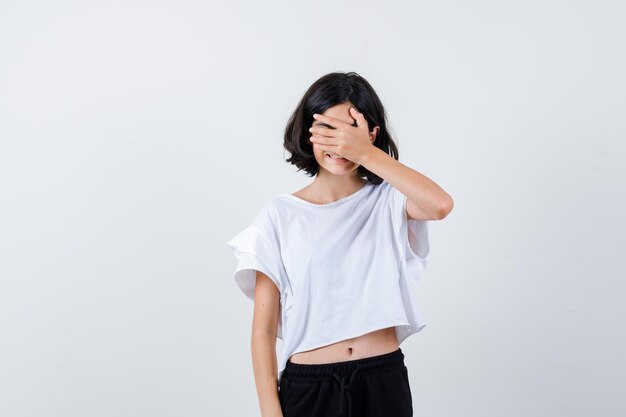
<point>335,157</point>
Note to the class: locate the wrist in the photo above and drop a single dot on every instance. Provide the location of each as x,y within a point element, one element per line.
<point>368,156</point>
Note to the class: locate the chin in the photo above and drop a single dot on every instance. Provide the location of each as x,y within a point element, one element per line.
<point>338,168</point>
<point>341,171</point>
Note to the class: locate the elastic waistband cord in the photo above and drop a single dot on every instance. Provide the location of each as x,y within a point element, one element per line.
<point>345,389</point>
<point>338,371</point>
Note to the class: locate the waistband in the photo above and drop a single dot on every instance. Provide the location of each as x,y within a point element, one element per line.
<point>320,372</point>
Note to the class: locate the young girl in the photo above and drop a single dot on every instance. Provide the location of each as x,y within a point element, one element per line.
<point>333,267</point>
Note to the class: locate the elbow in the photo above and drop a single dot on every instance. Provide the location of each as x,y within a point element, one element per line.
<point>445,208</point>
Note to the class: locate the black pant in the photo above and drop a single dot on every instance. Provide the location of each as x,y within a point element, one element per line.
<point>376,386</point>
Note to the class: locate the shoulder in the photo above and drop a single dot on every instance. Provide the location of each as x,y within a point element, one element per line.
<point>270,215</point>
<point>388,189</point>
<point>383,189</point>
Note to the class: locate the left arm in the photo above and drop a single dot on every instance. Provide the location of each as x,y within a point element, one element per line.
<point>425,199</point>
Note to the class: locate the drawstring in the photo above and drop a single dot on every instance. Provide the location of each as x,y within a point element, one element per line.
<point>345,388</point>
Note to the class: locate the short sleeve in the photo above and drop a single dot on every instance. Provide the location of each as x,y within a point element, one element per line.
<point>412,233</point>
<point>256,249</point>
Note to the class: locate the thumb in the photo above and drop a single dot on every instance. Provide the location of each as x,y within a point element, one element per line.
<point>360,119</point>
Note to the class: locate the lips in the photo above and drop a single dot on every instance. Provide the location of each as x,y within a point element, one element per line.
<point>340,160</point>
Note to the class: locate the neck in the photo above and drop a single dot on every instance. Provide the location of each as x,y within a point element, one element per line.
<point>336,186</point>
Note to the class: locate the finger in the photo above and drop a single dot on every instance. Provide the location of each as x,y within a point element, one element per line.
<point>322,140</point>
<point>336,123</point>
<point>322,131</point>
<point>360,118</point>
<point>327,148</point>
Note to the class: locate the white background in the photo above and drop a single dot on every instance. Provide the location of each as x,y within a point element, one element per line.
<point>136,138</point>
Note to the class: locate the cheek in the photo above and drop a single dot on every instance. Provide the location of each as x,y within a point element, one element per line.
<point>319,153</point>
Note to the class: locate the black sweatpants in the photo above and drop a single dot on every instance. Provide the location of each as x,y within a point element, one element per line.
<point>376,386</point>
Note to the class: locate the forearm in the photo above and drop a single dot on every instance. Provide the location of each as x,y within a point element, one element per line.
<point>265,373</point>
<point>418,188</point>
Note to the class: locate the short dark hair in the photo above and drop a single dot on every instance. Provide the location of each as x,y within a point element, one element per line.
<point>328,91</point>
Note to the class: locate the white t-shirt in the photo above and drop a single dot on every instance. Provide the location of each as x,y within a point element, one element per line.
<point>343,269</point>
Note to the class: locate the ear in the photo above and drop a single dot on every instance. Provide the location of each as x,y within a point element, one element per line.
<point>374,133</point>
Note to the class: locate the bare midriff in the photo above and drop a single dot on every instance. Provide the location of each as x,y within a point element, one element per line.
<point>374,343</point>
